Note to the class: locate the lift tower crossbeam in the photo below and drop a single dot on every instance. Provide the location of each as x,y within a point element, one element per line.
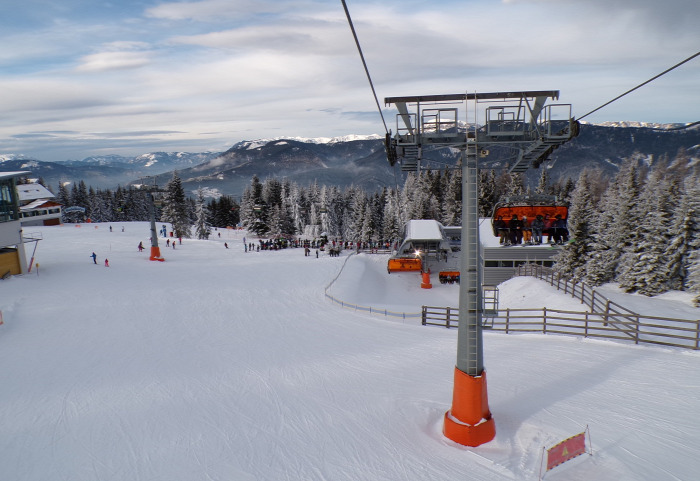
<point>520,120</point>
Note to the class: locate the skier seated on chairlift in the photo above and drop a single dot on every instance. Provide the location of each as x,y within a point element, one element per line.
<point>501,230</point>
<point>537,228</point>
<point>516,230</point>
<point>561,233</point>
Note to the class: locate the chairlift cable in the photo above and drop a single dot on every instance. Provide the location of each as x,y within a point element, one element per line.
<point>641,85</point>
<point>359,49</point>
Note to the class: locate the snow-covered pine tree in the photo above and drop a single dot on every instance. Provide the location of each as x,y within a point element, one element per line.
<point>297,203</point>
<point>107,198</point>
<point>254,208</point>
<point>571,260</point>
<point>96,211</point>
<point>391,230</point>
<point>543,182</point>
<point>646,263</point>
<point>359,207</point>
<point>246,208</point>
<point>175,207</point>
<point>333,218</point>
<point>202,226</point>
<point>610,229</point>
<point>693,280</point>
<point>286,212</point>
<point>488,194</point>
<point>685,232</point>
<point>274,225</point>
<point>347,232</point>
<point>63,196</point>
<point>79,196</point>
<point>367,233</point>
<point>513,184</point>
<point>452,200</point>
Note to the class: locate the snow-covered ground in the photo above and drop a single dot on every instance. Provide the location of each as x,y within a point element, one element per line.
<point>223,365</point>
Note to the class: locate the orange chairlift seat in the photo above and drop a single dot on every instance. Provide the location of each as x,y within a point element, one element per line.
<point>529,206</point>
<point>397,264</point>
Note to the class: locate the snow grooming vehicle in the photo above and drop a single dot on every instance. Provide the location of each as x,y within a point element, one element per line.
<point>529,206</point>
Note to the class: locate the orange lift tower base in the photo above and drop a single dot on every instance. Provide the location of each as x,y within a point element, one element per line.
<point>426,281</point>
<point>155,254</point>
<point>469,422</point>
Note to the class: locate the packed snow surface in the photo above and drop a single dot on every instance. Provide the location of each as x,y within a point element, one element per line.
<point>219,364</point>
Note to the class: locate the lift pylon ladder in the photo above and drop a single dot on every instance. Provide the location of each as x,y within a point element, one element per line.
<point>520,120</point>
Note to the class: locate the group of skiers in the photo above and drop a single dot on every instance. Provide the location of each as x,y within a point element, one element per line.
<point>521,231</point>
<point>94,259</point>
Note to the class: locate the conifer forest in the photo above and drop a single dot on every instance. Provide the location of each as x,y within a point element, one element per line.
<point>640,229</point>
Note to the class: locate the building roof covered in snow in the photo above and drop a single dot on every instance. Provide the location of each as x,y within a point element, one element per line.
<point>30,192</point>
<point>423,229</point>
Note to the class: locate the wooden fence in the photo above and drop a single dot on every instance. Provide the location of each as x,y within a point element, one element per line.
<point>631,328</point>
<point>605,318</point>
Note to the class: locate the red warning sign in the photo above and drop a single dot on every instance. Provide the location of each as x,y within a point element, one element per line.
<point>566,450</point>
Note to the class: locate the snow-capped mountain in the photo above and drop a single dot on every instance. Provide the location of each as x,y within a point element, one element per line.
<point>355,160</point>
<point>105,171</point>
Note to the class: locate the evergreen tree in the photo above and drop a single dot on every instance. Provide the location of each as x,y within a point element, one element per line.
<point>685,232</point>
<point>247,207</point>
<point>612,231</point>
<point>367,232</point>
<point>274,227</point>
<point>96,210</point>
<point>337,206</point>
<point>63,198</point>
<point>488,194</point>
<point>571,260</point>
<point>513,184</point>
<point>255,208</point>
<point>693,279</point>
<point>202,226</point>
<point>175,207</point>
<point>391,231</point>
<point>359,205</point>
<point>543,183</point>
<point>79,196</point>
<point>646,264</point>
<point>452,205</point>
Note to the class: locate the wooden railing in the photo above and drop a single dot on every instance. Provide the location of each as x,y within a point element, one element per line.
<point>605,318</point>
<point>632,327</point>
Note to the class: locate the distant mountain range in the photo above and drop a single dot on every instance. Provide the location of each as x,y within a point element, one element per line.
<point>350,160</point>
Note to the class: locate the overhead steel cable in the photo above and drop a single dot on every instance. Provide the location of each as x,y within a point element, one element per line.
<point>359,49</point>
<point>641,85</point>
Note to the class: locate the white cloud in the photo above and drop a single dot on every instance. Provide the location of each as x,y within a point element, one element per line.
<point>208,10</point>
<point>113,61</point>
<point>253,69</point>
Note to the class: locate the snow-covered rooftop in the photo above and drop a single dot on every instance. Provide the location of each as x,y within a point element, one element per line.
<point>423,230</point>
<point>33,191</point>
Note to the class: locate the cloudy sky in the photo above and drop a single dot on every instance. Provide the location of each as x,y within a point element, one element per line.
<point>94,77</point>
